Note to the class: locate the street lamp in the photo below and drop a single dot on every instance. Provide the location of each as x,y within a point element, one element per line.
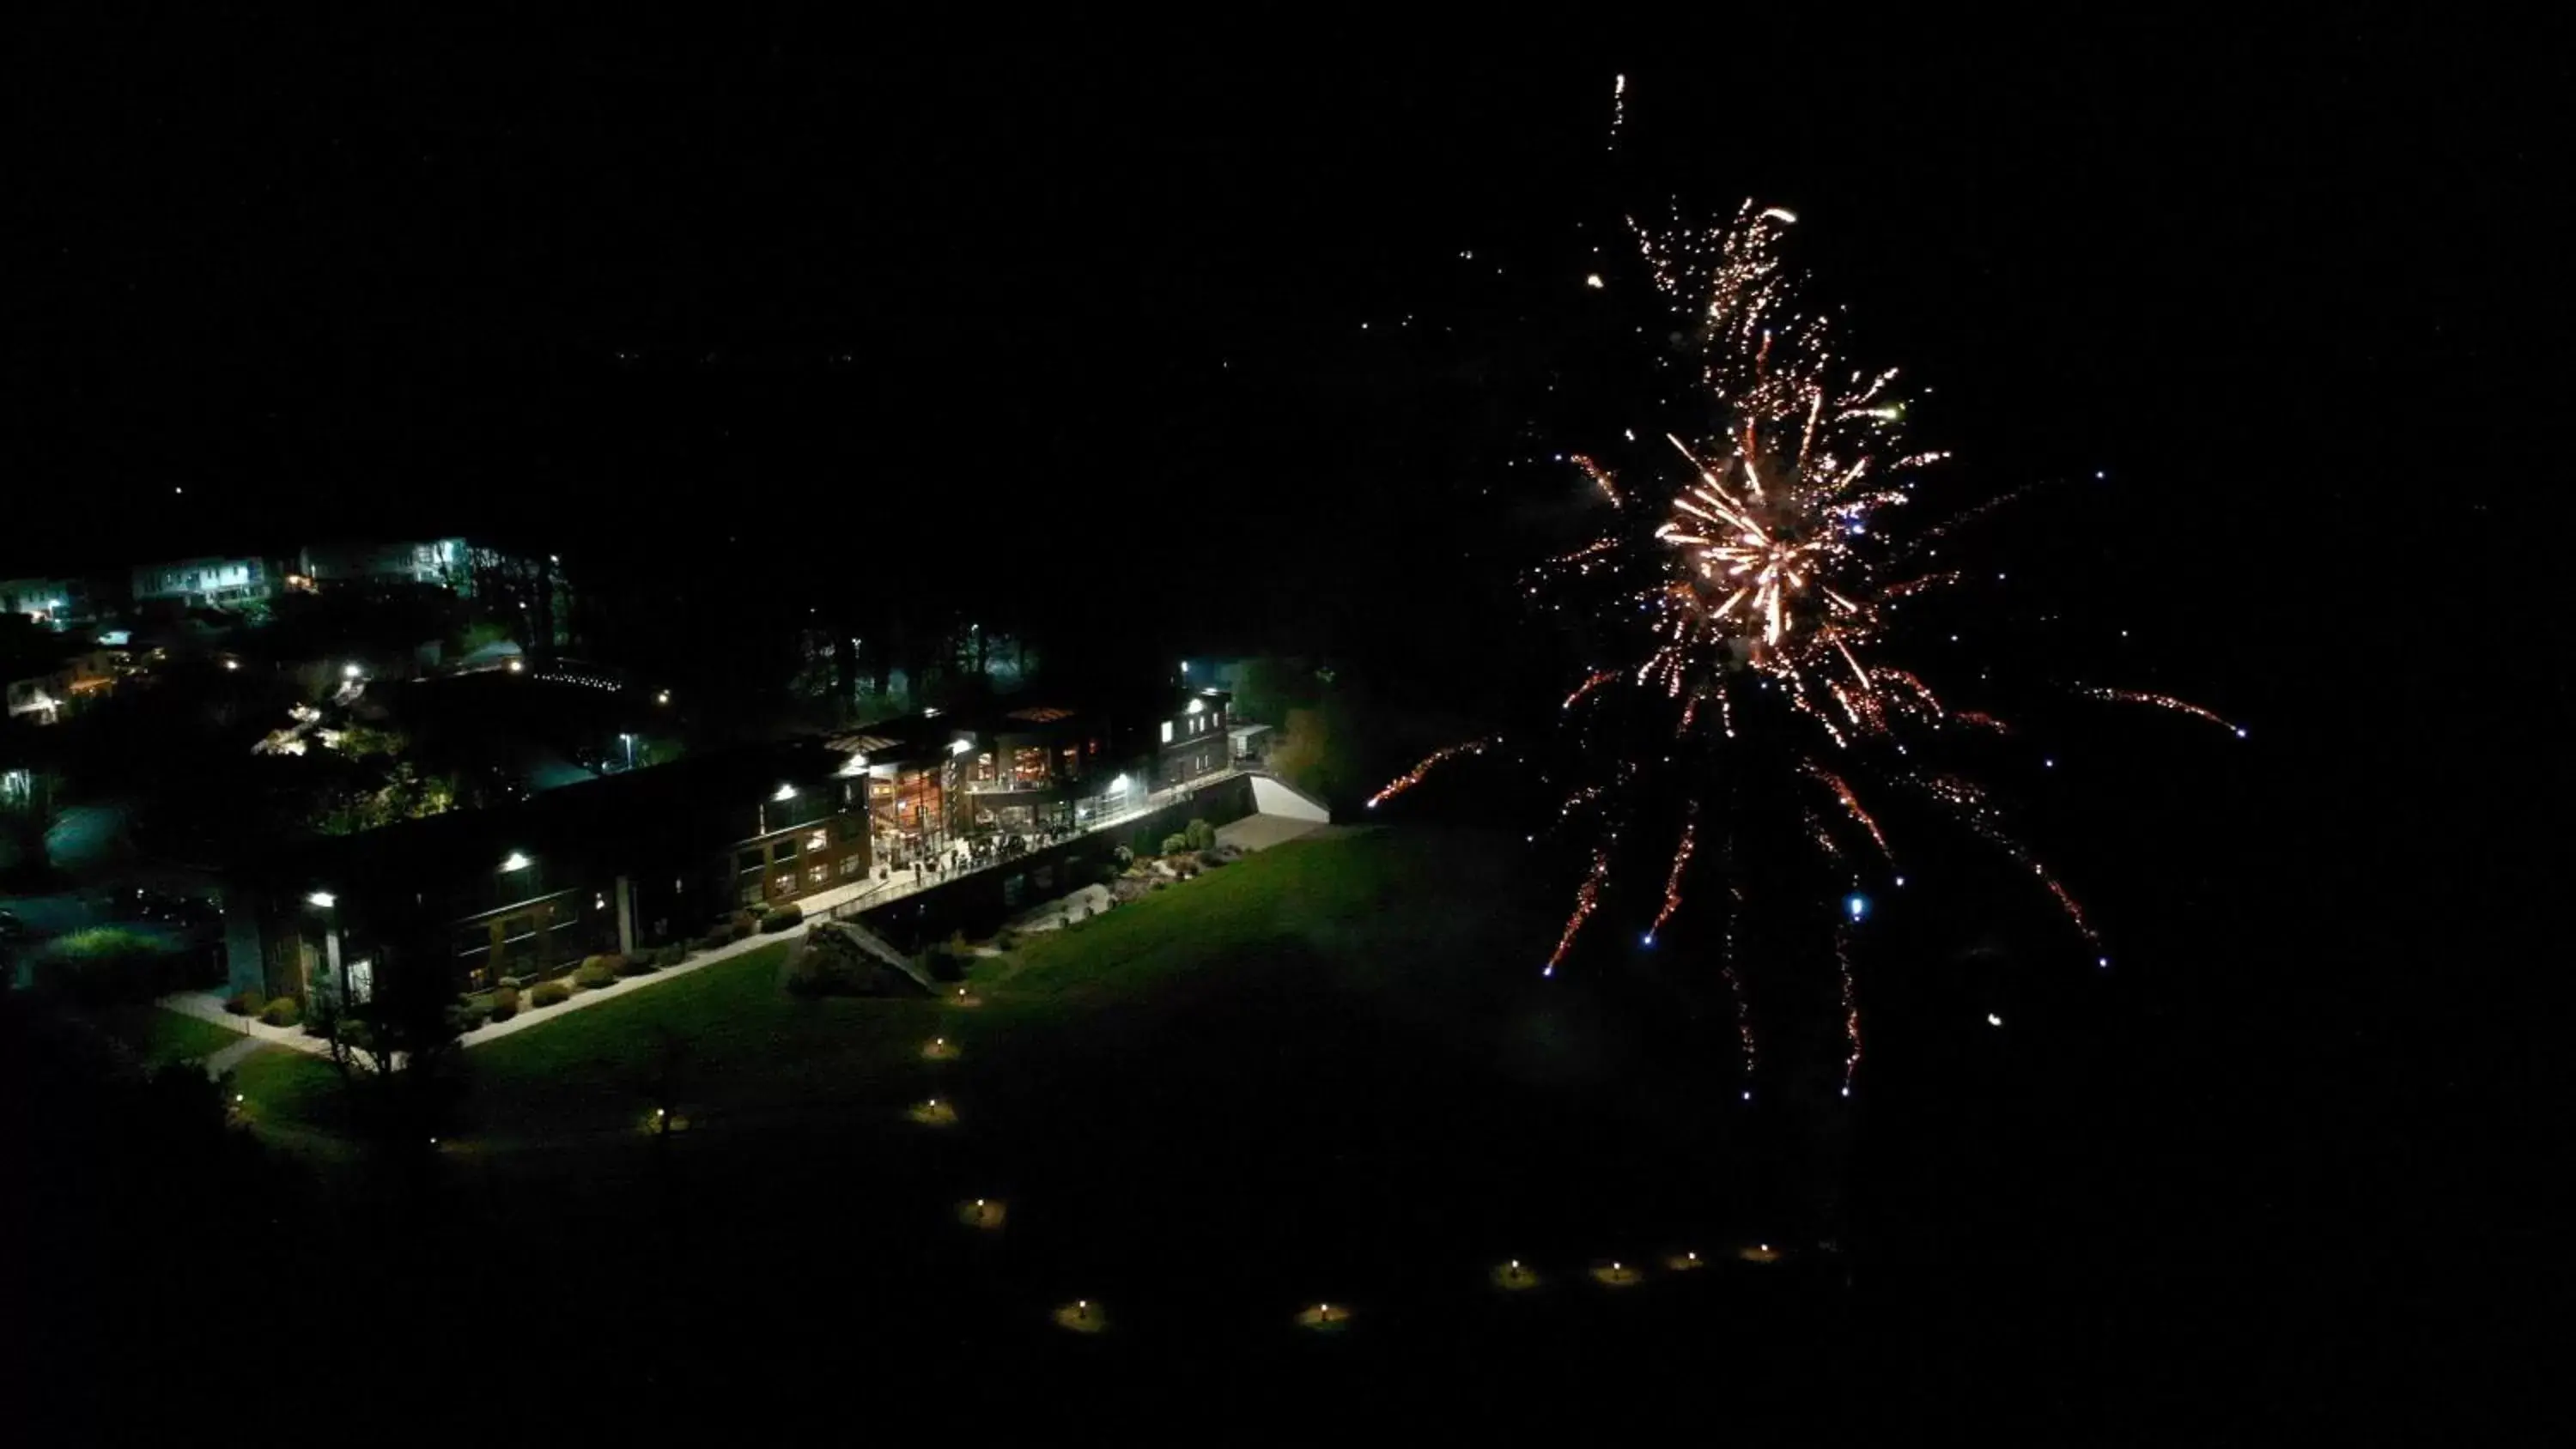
<point>630,749</point>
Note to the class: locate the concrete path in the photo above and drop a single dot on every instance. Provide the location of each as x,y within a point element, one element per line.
<point>1260,832</point>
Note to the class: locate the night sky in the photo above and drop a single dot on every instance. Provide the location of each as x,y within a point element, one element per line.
<point>1278,335</point>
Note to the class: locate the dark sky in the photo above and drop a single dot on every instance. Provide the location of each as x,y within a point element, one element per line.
<point>420,274</point>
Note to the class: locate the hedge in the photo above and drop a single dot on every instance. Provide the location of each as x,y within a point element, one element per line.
<point>595,973</point>
<point>549,993</point>
<point>505,1003</point>
<point>247,1003</point>
<point>782,918</point>
<point>281,1012</point>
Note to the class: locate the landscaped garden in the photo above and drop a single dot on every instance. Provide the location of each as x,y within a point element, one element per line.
<point>1327,1074</point>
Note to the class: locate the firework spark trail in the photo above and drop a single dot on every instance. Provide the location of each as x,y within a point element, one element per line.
<point>1599,679</point>
<point>1587,898</point>
<point>1437,758</point>
<point>1850,802</point>
<point>1673,881</point>
<point>1851,1005</point>
<point>1968,803</point>
<point>1618,109</point>
<point>1602,478</point>
<point>1726,965</point>
<point>2166,701</point>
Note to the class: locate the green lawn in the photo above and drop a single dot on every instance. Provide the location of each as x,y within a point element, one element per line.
<point>1293,891</point>
<point>281,1084</point>
<point>742,1043</point>
<point>1336,905</point>
<point>160,1036</point>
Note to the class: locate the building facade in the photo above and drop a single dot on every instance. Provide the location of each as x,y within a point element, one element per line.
<point>206,582</point>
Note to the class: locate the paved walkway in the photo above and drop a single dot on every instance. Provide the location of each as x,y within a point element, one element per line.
<point>1260,832</point>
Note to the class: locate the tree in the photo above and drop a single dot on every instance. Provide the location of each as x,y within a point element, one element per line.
<point>391,1050</point>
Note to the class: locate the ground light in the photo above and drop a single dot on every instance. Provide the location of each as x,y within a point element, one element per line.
<point>1684,1262</point>
<point>1324,1317</point>
<point>1082,1316</point>
<point>935,1113</point>
<point>939,1049</point>
<point>1616,1274</point>
<point>1514,1276</point>
<point>1758,1253</point>
<point>984,1212</point>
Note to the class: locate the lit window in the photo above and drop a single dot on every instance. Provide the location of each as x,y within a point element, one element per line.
<point>817,874</point>
<point>850,865</point>
<point>1167,732</point>
<point>784,883</point>
<point>817,840</point>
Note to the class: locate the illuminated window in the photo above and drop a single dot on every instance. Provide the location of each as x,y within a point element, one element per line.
<point>816,875</point>
<point>1167,732</point>
<point>850,865</point>
<point>816,840</point>
<point>783,883</point>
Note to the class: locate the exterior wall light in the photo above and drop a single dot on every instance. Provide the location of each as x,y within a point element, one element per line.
<point>516,861</point>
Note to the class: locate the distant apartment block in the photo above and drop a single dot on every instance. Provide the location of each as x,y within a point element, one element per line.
<point>206,582</point>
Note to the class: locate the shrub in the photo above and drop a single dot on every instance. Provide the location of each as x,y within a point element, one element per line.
<point>607,961</point>
<point>716,938</point>
<point>670,956</point>
<point>828,963</point>
<point>281,1012</point>
<point>1175,844</point>
<point>505,1003</point>
<point>1126,857</point>
<point>744,923</point>
<point>595,973</point>
<point>247,1003</point>
<point>639,964</point>
<point>781,919</point>
<point>549,993</point>
<point>1200,834</point>
<point>945,962</point>
<point>466,1016</point>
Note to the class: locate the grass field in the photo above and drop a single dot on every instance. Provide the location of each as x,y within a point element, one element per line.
<point>161,1037</point>
<point>1327,1073</point>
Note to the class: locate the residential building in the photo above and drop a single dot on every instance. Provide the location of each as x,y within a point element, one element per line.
<point>40,688</point>
<point>206,582</point>
<point>1190,737</point>
<point>445,563</point>
<point>61,602</point>
<point>611,865</point>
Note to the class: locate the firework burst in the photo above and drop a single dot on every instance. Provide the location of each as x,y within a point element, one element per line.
<point>1769,582</point>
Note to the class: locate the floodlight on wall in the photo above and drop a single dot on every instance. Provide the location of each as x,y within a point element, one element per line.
<point>516,861</point>
<point>321,900</point>
<point>349,671</point>
<point>785,792</point>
